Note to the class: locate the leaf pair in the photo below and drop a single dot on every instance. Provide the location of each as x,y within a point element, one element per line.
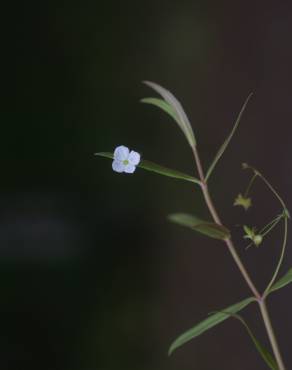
<point>209,323</point>
<point>172,106</point>
<point>231,311</point>
<point>215,319</point>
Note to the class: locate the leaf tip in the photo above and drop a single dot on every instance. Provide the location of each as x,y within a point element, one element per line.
<point>171,349</point>
<point>250,95</point>
<point>147,100</point>
<point>147,83</point>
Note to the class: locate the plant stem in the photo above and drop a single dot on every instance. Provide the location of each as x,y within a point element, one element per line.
<point>271,334</point>
<point>260,299</point>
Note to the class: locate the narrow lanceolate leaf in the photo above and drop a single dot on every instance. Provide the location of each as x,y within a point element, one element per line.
<point>209,323</point>
<point>226,142</point>
<point>285,280</point>
<point>153,167</point>
<point>204,227</point>
<point>181,117</point>
<point>162,104</point>
<point>265,354</point>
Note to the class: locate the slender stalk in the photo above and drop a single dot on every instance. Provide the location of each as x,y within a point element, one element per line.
<point>242,269</point>
<point>269,227</point>
<point>272,189</point>
<point>271,334</point>
<point>260,299</point>
<point>250,184</point>
<point>216,218</point>
<point>280,259</point>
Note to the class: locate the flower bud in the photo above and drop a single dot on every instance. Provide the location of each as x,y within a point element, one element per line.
<point>242,201</point>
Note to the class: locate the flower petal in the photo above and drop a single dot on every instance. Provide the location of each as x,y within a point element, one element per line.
<point>118,166</point>
<point>121,153</point>
<point>134,158</point>
<point>129,168</point>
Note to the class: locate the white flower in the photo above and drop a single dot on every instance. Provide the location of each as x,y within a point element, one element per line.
<point>124,160</point>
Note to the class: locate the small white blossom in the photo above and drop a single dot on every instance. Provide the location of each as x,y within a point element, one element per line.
<point>124,160</point>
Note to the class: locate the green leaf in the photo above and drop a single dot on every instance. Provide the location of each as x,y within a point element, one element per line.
<point>265,354</point>
<point>153,167</point>
<point>285,280</point>
<point>204,227</point>
<point>208,323</point>
<point>180,115</point>
<point>162,104</point>
<point>226,142</point>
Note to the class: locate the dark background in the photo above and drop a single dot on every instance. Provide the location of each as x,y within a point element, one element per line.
<point>92,276</point>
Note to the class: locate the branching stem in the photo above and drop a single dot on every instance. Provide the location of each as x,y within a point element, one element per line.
<point>261,299</point>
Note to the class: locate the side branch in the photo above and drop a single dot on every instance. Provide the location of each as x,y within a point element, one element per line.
<point>260,299</point>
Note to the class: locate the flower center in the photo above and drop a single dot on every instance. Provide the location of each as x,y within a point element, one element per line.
<point>125,162</point>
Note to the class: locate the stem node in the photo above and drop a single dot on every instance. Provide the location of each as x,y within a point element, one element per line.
<point>261,299</point>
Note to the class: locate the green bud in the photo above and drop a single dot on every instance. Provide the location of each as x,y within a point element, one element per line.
<point>242,201</point>
<point>257,240</point>
<point>250,233</point>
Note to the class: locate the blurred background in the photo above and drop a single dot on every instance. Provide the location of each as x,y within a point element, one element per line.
<point>92,276</point>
